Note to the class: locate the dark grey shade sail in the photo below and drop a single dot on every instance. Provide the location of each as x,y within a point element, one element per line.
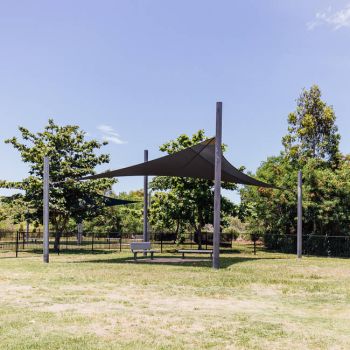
<point>111,202</point>
<point>195,162</point>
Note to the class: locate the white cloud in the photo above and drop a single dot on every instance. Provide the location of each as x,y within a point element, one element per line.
<point>110,135</point>
<point>335,20</point>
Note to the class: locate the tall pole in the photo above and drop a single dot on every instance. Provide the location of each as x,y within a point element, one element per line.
<point>300,216</point>
<point>27,227</point>
<point>217,187</point>
<point>145,202</point>
<point>46,210</point>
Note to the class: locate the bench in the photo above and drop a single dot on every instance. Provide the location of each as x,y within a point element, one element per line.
<point>142,247</point>
<point>195,251</point>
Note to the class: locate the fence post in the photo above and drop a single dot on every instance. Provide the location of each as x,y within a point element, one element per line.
<point>191,237</point>
<point>161,242</point>
<point>109,242</point>
<point>120,242</point>
<point>231,240</point>
<point>92,242</point>
<point>206,240</point>
<point>16,244</point>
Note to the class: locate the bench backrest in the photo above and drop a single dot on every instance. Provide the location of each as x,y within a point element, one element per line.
<point>140,245</point>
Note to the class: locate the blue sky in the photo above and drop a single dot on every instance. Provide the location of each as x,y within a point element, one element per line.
<point>143,72</point>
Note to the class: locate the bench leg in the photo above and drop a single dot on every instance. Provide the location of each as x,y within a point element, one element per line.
<point>135,256</point>
<point>183,255</point>
<point>151,255</point>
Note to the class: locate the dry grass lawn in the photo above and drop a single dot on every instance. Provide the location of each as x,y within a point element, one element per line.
<point>105,301</point>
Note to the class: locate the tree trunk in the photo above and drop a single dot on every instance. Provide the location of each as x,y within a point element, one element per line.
<point>199,237</point>
<point>80,233</point>
<point>56,246</point>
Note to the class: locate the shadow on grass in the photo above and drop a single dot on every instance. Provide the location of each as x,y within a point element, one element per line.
<point>70,252</point>
<point>225,261</point>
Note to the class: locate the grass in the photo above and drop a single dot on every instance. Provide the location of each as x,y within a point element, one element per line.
<point>105,301</point>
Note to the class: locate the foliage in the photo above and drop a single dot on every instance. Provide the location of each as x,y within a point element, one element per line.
<point>312,132</point>
<point>124,218</point>
<point>71,158</point>
<point>311,146</point>
<point>236,227</point>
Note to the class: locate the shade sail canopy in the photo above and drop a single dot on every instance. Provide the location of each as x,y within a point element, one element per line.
<point>196,162</point>
<point>111,202</point>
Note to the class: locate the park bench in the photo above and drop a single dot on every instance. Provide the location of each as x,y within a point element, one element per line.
<point>142,247</point>
<point>195,251</point>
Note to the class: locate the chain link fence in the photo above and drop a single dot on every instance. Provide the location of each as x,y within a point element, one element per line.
<point>321,245</point>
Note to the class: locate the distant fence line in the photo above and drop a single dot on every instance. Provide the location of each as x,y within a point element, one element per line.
<point>94,241</point>
<point>322,245</point>
<point>313,244</point>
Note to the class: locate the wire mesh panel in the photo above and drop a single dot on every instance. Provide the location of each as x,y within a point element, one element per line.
<point>322,245</point>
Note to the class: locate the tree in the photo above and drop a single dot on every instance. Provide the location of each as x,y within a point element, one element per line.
<point>311,145</point>
<point>312,132</point>
<point>71,158</point>
<point>186,201</point>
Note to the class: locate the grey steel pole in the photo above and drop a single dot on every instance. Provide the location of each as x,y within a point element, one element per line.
<point>27,227</point>
<point>145,202</point>
<point>300,216</point>
<point>46,210</point>
<point>217,187</point>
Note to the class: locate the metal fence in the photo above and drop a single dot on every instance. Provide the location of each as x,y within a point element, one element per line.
<point>19,241</point>
<point>14,243</point>
<point>321,245</point>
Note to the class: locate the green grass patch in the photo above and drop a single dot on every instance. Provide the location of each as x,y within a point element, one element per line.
<point>106,301</point>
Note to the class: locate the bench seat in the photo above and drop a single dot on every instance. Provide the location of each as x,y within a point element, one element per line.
<point>195,251</point>
<point>142,247</point>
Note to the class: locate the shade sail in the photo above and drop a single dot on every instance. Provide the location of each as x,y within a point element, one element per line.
<point>196,162</point>
<point>110,202</point>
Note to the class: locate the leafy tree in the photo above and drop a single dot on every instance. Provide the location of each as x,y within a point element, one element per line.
<point>71,157</point>
<point>312,132</point>
<point>311,146</point>
<point>186,201</point>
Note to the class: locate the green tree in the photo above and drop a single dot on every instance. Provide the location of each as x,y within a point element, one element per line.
<point>312,132</point>
<point>186,201</point>
<point>71,158</point>
<point>312,145</point>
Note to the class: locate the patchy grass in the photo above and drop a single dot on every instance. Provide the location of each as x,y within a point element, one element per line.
<point>105,301</point>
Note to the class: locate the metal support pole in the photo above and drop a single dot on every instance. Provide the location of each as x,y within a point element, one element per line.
<point>17,244</point>
<point>46,210</point>
<point>145,204</point>
<point>300,216</point>
<point>27,228</point>
<point>217,187</point>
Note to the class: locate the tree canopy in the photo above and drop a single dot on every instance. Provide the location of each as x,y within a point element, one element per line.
<point>71,157</point>
<point>311,145</point>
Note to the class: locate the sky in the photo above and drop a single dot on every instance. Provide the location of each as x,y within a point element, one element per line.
<point>140,73</point>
